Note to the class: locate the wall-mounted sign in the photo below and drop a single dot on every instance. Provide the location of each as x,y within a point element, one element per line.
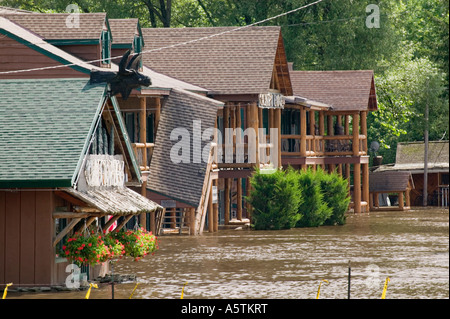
<point>215,198</point>
<point>271,100</point>
<point>168,203</point>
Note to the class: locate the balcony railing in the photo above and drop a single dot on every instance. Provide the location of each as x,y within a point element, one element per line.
<point>143,153</point>
<point>336,145</point>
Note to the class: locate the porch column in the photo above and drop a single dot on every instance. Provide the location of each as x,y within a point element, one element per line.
<point>227,200</point>
<point>303,131</point>
<point>365,185</point>
<point>277,123</point>
<point>143,139</point>
<point>356,166</point>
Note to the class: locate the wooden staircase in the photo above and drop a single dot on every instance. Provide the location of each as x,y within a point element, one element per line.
<point>175,221</point>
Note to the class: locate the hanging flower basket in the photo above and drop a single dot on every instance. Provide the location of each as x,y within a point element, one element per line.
<point>92,248</point>
<point>137,243</point>
<point>86,250</point>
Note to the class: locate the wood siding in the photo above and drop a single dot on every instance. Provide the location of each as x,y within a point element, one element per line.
<point>27,256</point>
<point>17,56</point>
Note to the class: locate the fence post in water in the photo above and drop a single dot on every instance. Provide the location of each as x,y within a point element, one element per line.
<point>349,279</point>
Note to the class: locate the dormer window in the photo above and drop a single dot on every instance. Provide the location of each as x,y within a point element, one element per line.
<point>106,48</point>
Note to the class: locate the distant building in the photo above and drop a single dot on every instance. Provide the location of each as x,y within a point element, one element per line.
<point>410,158</point>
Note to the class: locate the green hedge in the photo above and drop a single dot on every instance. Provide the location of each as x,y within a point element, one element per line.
<point>296,198</point>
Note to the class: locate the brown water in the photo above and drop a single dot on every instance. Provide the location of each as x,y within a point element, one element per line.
<point>411,248</point>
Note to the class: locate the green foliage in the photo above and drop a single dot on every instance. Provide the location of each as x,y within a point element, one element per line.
<point>335,195</point>
<point>294,198</point>
<point>275,199</point>
<point>314,208</point>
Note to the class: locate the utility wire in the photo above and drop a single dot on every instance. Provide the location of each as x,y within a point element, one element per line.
<point>173,45</point>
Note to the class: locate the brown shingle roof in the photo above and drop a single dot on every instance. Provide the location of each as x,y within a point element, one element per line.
<point>181,181</point>
<point>238,62</point>
<point>389,181</point>
<point>343,90</point>
<point>53,26</point>
<point>124,30</point>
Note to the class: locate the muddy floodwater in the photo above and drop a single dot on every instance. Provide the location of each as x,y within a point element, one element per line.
<point>411,248</point>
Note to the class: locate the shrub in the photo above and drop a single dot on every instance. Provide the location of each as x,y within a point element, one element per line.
<point>314,208</point>
<point>275,198</point>
<point>335,194</point>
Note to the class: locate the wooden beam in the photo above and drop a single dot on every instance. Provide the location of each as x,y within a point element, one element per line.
<point>123,223</point>
<point>70,198</point>
<point>110,222</point>
<point>355,140</point>
<point>65,231</point>
<point>210,211</point>
<point>303,131</point>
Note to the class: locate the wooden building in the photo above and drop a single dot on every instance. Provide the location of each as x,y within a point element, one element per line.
<point>52,148</point>
<point>410,159</point>
<point>334,136</point>
<point>237,68</point>
<point>55,152</point>
<point>397,184</point>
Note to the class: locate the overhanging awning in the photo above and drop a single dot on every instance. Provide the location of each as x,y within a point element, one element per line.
<point>115,200</point>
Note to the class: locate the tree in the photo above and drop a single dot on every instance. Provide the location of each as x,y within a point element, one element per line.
<point>275,199</point>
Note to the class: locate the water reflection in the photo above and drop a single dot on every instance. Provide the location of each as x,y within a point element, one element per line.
<point>411,248</point>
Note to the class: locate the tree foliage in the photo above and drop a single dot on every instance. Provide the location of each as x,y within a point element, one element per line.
<point>408,51</point>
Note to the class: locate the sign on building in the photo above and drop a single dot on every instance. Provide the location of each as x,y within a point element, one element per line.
<point>271,100</point>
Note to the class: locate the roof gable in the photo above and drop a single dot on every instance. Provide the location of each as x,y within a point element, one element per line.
<point>124,30</point>
<point>228,62</point>
<point>343,90</point>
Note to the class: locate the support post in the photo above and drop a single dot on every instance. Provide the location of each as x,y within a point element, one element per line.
<point>239,198</point>
<point>227,201</point>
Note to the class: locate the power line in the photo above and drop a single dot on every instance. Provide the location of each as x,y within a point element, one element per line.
<point>173,45</point>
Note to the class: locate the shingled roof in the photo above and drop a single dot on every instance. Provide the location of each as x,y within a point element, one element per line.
<point>124,30</point>
<point>386,182</point>
<point>44,125</point>
<point>343,90</point>
<point>236,62</point>
<point>181,181</point>
<point>54,26</point>
<point>410,157</point>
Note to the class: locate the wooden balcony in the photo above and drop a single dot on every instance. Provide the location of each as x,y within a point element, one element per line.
<point>143,153</point>
<point>315,146</point>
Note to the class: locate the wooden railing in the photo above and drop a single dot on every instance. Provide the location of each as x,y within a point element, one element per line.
<point>143,153</point>
<point>336,145</point>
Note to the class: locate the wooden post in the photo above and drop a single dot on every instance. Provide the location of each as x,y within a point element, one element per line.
<point>357,187</point>
<point>356,166</point>
<point>210,212</point>
<point>303,131</point>
<point>277,123</point>
<point>143,216</point>
<point>157,113</point>
<point>254,123</point>
<point>143,129</point>
<point>248,189</point>
<point>239,198</point>
<point>400,201</point>
<point>227,200</point>
<point>356,134</point>
<point>408,198</point>
<point>364,129</point>
<point>143,139</point>
<point>191,212</point>
<point>322,131</point>
<point>216,212</point>
<point>365,184</point>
